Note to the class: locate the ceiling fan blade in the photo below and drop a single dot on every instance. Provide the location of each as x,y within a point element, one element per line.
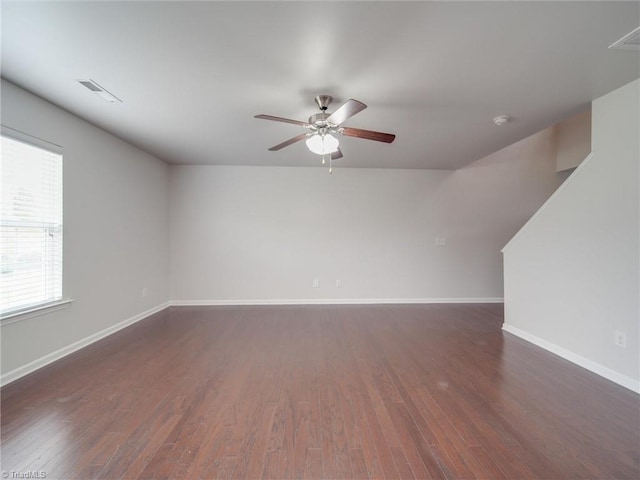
<point>368,134</point>
<point>336,155</point>
<point>284,120</point>
<point>286,143</point>
<point>347,110</point>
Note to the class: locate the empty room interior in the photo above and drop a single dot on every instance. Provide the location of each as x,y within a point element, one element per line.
<point>318,240</point>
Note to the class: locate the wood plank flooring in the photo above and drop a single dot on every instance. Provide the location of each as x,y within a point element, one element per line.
<point>319,392</point>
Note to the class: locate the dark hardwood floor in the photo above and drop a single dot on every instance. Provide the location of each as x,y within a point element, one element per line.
<point>399,392</point>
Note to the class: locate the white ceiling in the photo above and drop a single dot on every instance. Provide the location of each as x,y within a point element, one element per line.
<point>193,75</point>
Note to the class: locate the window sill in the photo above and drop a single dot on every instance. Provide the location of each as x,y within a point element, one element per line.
<point>34,312</point>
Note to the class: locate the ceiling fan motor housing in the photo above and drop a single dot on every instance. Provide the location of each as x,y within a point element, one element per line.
<point>319,119</point>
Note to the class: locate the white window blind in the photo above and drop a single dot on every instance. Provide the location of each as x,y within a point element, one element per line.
<point>30,224</point>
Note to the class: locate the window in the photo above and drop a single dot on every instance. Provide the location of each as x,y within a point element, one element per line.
<point>30,223</point>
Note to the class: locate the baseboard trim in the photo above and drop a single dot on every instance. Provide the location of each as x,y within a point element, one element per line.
<point>579,360</point>
<point>332,301</point>
<point>69,349</point>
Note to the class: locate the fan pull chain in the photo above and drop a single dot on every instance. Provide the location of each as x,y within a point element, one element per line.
<point>323,155</point>
<point>330,166</point>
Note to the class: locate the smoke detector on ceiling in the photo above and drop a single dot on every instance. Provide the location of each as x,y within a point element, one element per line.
<point>501,120</point>
<point>631,41</point>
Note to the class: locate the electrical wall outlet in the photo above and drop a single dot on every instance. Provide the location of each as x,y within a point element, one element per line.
<point>316,283</point>
<point>145,292</point>
<point>441,241</point>
<point>620,339</point>
<point>338,283</point>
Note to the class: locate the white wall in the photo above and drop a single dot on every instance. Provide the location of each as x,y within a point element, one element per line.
<point>488,201</point>
<point>252,234</point>
<point>573,140</point>
<point>572,274</point>
<point>115,233</point>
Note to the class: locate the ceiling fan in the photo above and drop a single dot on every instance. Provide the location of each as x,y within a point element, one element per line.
<point>324,127</point>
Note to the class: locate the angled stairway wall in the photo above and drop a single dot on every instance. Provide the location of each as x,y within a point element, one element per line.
<point>572,272</point>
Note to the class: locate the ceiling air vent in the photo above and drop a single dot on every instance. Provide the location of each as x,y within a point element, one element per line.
<point>98,90</point>
<point>630,41</point>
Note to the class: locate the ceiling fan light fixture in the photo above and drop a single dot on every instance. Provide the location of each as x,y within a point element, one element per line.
<point>322,144</point>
